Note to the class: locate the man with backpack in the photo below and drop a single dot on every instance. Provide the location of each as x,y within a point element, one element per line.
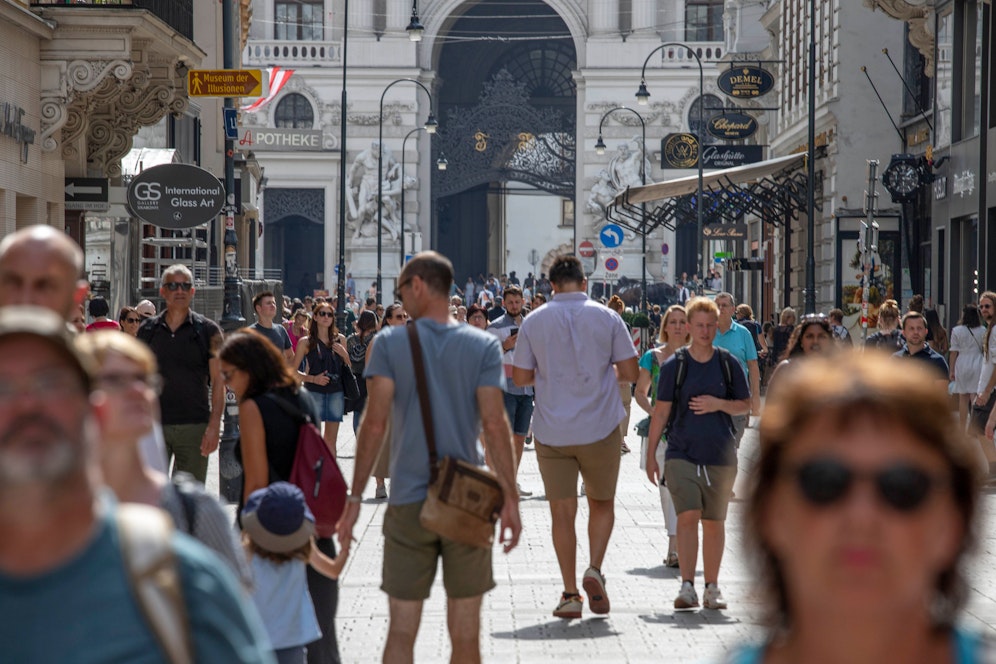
<point>193,397</point>
<point>701,388</point>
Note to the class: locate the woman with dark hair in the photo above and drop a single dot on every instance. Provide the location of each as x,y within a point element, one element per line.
<point>888,337</point>
<point>861,511</point>
<point>477,316</point>
<point>781,334</point>
<point>129,319</point>
<point>325,357</point>
<point>966,357</point>
<point>257,373</point>
<point>937,336</point>
<point>812,336</point>
<point>394,315</point>
<point>357,346</point>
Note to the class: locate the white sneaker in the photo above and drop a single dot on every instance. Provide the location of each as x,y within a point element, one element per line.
<point>522,492</point>
<point>687,597</point>
<point>713,598</point>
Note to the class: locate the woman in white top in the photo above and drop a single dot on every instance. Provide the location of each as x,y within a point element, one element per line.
<point>967,341</point>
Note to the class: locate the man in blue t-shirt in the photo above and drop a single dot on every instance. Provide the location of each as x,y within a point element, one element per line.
<point>464,379</point>
<point>67,593</point>
<point>265,305</point>
<point>700,463</point>
<point>737,339</point>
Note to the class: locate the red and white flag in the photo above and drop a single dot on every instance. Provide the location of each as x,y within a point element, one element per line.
<point>278,79</point>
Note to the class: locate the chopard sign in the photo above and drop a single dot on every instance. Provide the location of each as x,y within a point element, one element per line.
<point>732,126</point>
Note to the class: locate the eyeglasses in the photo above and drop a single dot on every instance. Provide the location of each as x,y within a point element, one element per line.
<point>397,291</point>
<point>325,314</point>
<point>174,286</point>
<point>902,486</point>
<point>120,382</point>
<point>133,320</point>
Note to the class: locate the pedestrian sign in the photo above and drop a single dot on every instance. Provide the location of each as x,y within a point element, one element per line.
<point>225,83</point>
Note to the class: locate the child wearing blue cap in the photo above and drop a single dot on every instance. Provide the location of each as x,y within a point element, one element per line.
<point>278,531</point>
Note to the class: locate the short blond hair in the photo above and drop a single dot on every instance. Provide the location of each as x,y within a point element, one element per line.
<point>700,305</point>
<point>99,344</point>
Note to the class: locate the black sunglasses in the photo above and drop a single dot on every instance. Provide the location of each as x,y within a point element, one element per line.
<point>178,285</point>
<point>903,487</point>
<point>325,314</point>
<point>133,320</point>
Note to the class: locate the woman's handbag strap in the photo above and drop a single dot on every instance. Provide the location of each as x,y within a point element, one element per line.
<point>423,399</point>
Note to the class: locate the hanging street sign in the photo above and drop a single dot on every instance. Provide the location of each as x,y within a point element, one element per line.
<point>745,264</point>
<point>725,231</point>
<point>86,194</point>
<point>225,82</point>
<point>681,151</point>
<point>611,235</point>
<point>732,126</point>
<point>746,81</point>
<point>176,196</point>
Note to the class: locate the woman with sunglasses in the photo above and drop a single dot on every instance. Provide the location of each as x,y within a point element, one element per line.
<point>129,319</point>
<point>393,316</point>
<point>325,357</point>
<point>257,373</point>
<point>861,511</point>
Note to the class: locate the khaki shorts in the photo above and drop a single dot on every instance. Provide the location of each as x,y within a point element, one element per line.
<point>705,488</point>
<point>410,559</point>
<point>598,463</point>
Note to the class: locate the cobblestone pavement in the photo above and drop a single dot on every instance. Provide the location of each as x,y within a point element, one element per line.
<point>517,625</point>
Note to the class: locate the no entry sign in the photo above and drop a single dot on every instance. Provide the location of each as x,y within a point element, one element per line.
<point>586,249</point>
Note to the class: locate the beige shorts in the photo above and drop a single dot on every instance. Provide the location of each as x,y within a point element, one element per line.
<point>597,462</point>
<point>411,556</point>
<point>705,488</point>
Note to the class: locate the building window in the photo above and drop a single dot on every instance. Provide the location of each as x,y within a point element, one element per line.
<point>704,21</point>
<point>294,112</point>
<point>971,70</point>
<point>944,79</point>
<point>299,20</point>
<point>710,104</point>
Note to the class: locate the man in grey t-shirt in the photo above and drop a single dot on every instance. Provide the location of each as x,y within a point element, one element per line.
<point>265,304</point>
<point>464,401</point>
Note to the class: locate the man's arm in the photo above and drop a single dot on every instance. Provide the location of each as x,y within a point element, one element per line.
<point>212,436</point>
<point>498,441</point>
<point>628,370</point>
<point>523,377</point>
<point>755,387</point>
<point>658,420</point>
<point>369,439</point>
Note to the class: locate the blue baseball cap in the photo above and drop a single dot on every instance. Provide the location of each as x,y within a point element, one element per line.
<point>277,518</point>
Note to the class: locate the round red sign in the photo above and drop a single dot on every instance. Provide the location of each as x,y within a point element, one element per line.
<point>586,250</point>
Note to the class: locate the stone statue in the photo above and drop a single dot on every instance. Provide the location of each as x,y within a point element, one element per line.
<point>362,198</point>
<point>624,168</point>
<point>602,193</point>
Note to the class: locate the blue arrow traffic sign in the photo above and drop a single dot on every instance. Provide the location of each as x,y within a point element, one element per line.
<point>611,235</point>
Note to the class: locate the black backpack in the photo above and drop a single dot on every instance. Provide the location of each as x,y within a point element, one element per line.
<point>726,361</point>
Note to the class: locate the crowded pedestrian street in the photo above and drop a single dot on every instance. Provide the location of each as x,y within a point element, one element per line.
<point>642,627</point>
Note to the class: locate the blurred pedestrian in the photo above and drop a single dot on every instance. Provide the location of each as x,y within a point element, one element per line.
<point>966,358</point>
<point>129,319</point>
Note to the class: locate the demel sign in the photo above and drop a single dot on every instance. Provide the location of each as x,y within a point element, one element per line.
<point>176,196</point>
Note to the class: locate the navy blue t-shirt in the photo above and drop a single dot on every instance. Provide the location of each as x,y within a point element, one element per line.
<point>707,439</point>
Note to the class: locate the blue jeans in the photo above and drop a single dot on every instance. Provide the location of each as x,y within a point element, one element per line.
<point>519,408</point>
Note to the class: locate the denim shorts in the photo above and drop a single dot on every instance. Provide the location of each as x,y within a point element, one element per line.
<point>330,407</point>
<point>519,408</point>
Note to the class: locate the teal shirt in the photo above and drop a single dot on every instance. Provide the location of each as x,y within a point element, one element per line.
<point>739,342</point>
<point>84,611</point>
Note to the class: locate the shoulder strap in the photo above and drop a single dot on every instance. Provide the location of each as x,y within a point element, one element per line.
<point>680,370</point>
<point>726,360</point>
<point>423,399</point>
<point>295,413</point>
<point>155,579</point>
<point>186,489</point>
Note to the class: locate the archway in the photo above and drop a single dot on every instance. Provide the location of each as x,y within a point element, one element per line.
<point>295,238</point>
<point>507,105</point>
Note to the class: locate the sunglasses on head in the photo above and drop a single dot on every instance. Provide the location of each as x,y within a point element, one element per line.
<point>178,285</point>
<point>903,487</point>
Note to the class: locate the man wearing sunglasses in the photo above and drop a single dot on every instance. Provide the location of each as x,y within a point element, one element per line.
<point>193,398</point>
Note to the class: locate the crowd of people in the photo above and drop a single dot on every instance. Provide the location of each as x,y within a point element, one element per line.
<point>96,532</point>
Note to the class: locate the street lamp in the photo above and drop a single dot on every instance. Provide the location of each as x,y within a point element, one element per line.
<point>415,28</point>
<point>430,128</point>
<point>600,150</point>
<point>341,268</point>
<point>440,165</point>
<point>643,95</point>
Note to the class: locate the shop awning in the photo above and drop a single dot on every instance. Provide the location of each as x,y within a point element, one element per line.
<point>774,190</point>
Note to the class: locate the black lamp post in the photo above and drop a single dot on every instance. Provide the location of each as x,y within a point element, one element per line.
<point>440,165</point>
<point>430,128</point>
<point>600,149</point>
<point>341,290</point>
<point>643,95</point>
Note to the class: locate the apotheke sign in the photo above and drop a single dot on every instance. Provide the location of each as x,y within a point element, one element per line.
<point>261,139</point>
<point>176,196</point>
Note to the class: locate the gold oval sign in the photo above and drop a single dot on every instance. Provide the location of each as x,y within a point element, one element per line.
<point>746,81</point>
<point>732,126</point>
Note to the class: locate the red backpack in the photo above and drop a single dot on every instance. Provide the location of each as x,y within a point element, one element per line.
<point>315,471</point>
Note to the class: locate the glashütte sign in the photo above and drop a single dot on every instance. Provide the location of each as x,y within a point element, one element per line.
<point>176,196</point>
<point>732,126</point>
<point>746,81</point>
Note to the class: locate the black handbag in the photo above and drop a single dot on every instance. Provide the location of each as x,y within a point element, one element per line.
<point>350,390</point>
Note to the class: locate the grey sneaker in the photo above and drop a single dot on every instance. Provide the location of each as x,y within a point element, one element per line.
<point>523,492</point>
<point>713,598</point>
<point>687,598</point>
<point>594,585</point>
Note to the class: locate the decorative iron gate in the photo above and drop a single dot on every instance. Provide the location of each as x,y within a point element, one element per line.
<point>504,138</point>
